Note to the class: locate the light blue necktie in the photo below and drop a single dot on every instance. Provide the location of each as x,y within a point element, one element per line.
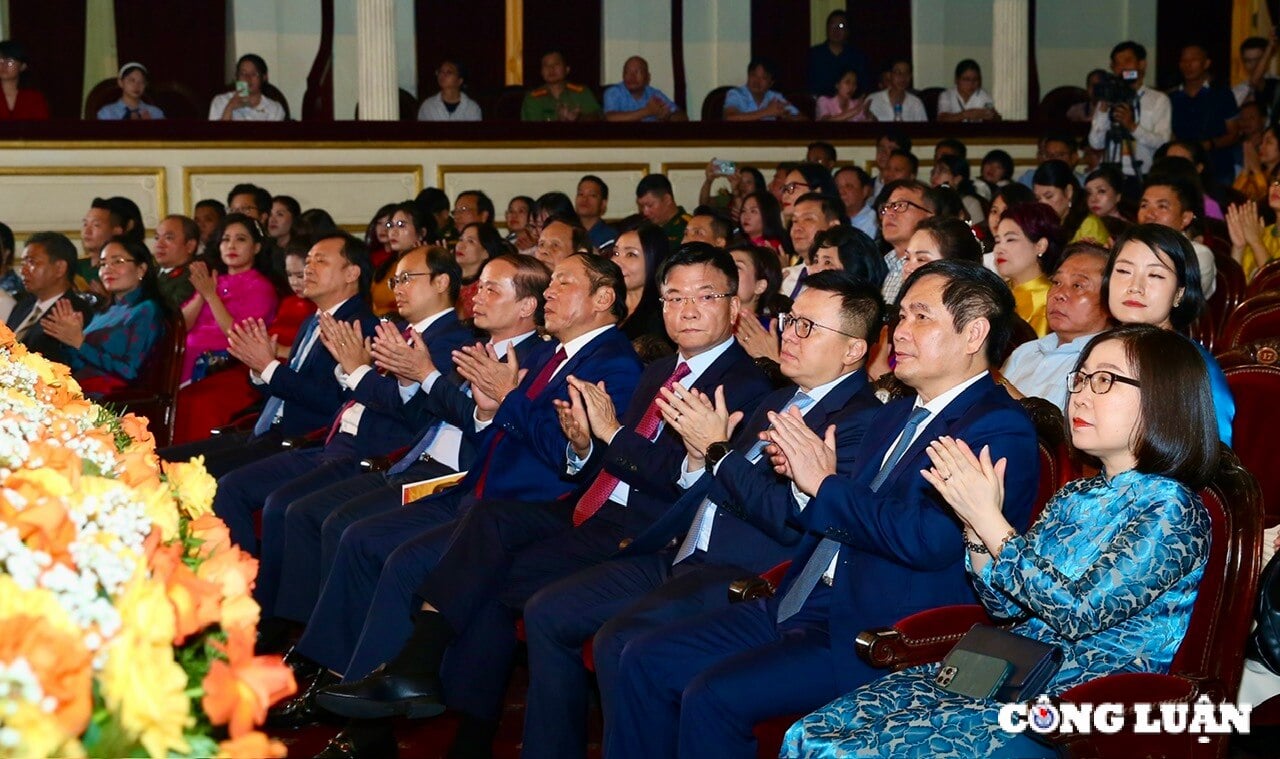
<point>821,558</point>
<point>429,437</point>
<point>801,401</point>
<point>272,408</point>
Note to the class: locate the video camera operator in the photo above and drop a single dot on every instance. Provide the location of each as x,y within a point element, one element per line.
<point>1132,120</point>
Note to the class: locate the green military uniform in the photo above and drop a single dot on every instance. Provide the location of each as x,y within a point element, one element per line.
<point>674,229</point>
<point>541,105</point>
<point>175,286</point>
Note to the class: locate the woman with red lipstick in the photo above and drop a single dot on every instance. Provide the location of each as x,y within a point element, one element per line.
<point>1028,241</point>
<point>1108,574</point>
<point>637,253</point>
<point>1153,278</point>
<point>228,297</point>
<point>477,243</point>
<point>108,353</point>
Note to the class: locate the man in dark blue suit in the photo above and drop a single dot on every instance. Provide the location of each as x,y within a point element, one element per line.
<point>523,448</point>
<point>653,582</point>
<point>302,393</point>
<point>48,271</point>
<point>504,550</point>
<point>371,422</point>
<point>882,544</point>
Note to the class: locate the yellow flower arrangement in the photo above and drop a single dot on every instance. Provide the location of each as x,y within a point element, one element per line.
<point>126,613</point>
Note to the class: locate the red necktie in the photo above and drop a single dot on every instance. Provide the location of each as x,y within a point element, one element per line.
<point>535,389</point>
<point>337,423</point>
<point>604,483</point>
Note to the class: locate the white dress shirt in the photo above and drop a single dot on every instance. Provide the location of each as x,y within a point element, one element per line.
<point>1154,118</point>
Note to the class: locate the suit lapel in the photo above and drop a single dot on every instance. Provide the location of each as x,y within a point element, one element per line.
<point>936,427</point>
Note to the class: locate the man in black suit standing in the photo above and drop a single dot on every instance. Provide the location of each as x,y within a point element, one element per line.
<point>48,269</point>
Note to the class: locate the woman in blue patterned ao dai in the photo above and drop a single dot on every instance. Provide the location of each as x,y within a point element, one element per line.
<point>1108,573</point>
<point>110,352</point>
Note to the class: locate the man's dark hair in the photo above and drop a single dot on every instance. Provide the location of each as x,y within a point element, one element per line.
<point>216,205</point>
<point>896,137</point>
<point>257,62</point>
<point>1001,157</point>
<point>858,254</point>
<point>955,146</point>
<point>770,68</point>
<point>603,272</point>
<point>598,182</point>
<point>832,208</point>
<point>720,225</point>
<point>837,13</point>
<point>190,231</point>
<point>1136,48</point>
<point>531,280</point>
<point>484,205</point>
<point>825,147</point>
<point>356,253</point>
<point>58,248</point>
<point>859,172</point>
<point>555,204</point>
<point>861,308</point>
<point>911,159</point>
<point>972,292</point>
<point>654,184</point>
<point>914,185</point>
<point>695,253</point>
<point>1253,43</point>
<point>113,212</point>
<point>432,201</point>
<point>1179,175</point>
<point>1177,435</point>
<point>555,51</point>
<point>1059,136</point>
<point>6,246</point>
<point>443,262</point>
<point>261,198</point>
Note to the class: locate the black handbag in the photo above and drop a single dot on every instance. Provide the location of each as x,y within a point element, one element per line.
<point>1264,643</point>
<point>1027,666</point>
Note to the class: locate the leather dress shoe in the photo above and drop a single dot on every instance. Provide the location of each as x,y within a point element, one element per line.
<point>358,743</point>
<point>303,668</point>
<point>385,694</point>
<point>301,710</point>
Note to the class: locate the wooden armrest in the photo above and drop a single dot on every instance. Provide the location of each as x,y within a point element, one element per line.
<point>239,424</point>
<point>762,585</point>
<point>383,463</point>
<point>309,440</point>
<point>921,638</point>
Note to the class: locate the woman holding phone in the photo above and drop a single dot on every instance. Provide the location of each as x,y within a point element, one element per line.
<point>246,102</point>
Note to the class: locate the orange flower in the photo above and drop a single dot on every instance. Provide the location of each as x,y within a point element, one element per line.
<point>238,692</point>
<point>42,521</point>
<point>234,571</point>
<point>136,428</point>
<point>139,466</point>
<point>195,601</point>
<point>213,533</point>
<point>59,661</point>
<point>254,745</point>
<point>7,338</point>
<point>62,460</point>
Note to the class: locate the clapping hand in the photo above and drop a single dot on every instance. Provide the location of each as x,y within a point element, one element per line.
<point>800,454</point>
<point>345,342</point>
<point>755,340</point>
<point>203,280</point>
<point>699,420</point>
<point>574,422</point>
<point>408,360</point>
<point>251,344</point>
<point>972,485</point>
<point>601,414</point>
<point>489,376</point>
<point>64,324</point>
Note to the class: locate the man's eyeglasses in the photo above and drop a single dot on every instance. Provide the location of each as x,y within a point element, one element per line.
<point>901,206</point>
<point>407,277</point>
<point>804,326</point>
<point>461,210</point>
<point>700,301</point>
<point>790,187</point>
<point>1100,382</point>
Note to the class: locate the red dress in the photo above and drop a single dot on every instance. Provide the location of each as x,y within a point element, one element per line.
<point>28,106</point>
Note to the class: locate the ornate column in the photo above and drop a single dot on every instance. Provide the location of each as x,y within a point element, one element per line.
<point>379,96</point>
<point>1010,41</point>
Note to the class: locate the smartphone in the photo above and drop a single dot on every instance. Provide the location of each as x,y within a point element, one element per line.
<point>242,88</point>
<point>973,674</point>
<point>724,168</point>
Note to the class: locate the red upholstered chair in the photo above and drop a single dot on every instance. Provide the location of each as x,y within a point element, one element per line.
<point>1257,318</point>
<point>1265,279</point>
<point>1055,104</point>
<point>154,394</point>
<point>1208,663</point>
<point>1228,293</point>
<point>713,104</point>
<point>1253,374</point>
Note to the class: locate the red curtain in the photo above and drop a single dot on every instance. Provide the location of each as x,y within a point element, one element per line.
<point>53,33</point>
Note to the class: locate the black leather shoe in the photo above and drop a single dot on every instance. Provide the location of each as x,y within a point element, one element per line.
<point>301,710</point>
<point>361,742</point>
<point>303,668</point>
<point>385,694</point>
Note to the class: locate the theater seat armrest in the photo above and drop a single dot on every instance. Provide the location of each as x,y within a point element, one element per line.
<point>383,463</point>
<point>239,424</point>
<point>921,638</point>
<point>1133,687</point>
<point>1128,689</point>
<point>762,585</point>
<point>309,440</point>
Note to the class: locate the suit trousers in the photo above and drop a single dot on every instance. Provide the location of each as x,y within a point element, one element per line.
<point>303,564</point>
<point>223,453</point>
<point>696,688</point>
<point>614,602</point>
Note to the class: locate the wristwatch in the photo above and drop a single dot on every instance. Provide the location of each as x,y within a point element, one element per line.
<point>715,452</point>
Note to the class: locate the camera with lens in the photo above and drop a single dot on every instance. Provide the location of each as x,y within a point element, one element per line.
<point>1117,90</point>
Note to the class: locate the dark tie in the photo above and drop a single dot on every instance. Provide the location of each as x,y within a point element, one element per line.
<point>604,483</point>
<point>535,389</point>
<point>821,558</point>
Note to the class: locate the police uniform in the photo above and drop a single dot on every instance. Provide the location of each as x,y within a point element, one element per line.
<point>541,105</point>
